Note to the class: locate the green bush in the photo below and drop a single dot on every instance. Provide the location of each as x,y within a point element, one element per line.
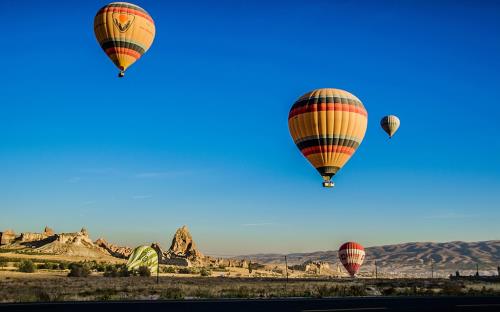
<point>48,266</point>
<point>100,267</point>
<point>124,272</point>
<point>205,272</point>
<point>63,266</point>
<point>185,271</point>
<point>78,270</point>
<point>27,266</point>
<point>111,271</point>
<point>3,263</point>
<point>117,271</point>
<point>144,271</point>
<point>169,269</point>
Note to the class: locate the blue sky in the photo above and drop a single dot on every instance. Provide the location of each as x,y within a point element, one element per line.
<point>196,133</point>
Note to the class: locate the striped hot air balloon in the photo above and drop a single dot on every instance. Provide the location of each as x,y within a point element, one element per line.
<point>328,125</point>
<point>125,32</point>
<point>390,124</point>
<point>143,256</point>
<point>352,255</point>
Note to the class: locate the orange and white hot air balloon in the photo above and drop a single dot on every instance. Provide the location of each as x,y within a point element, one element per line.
<point>327,125</point>
<point>352,255</point>
<point>125,32</point>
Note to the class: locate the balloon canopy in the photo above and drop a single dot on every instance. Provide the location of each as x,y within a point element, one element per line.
<point>390,124</point>
<point>328,125</point>
<point>143,256</point>
<point>352,255</point>
<point>125,32</point>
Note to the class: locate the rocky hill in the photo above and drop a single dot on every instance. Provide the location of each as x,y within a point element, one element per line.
<point>444,253</point>
<point>416,258</point>
<point>182,252</point>
<point>47,242</point>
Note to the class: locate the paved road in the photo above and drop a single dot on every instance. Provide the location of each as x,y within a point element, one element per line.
<point>368,304</point>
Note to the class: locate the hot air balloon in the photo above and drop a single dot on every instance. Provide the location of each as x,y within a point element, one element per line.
<point>390,124</point>
<point>328,125</point>
<point>143,256</point>
<point>352,255</point>
<point>125,32</point>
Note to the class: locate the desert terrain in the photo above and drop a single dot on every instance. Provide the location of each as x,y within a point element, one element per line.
<point>41,267</point>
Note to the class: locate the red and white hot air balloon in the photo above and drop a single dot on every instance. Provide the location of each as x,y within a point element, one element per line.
<point>352,255</point>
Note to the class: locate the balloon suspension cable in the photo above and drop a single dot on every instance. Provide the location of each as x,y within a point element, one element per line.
<point>121,74</point>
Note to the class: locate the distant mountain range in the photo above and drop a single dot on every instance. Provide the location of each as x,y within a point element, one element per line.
<point>409,257</point>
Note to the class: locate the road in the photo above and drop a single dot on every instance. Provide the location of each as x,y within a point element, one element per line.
<point>357,304</point>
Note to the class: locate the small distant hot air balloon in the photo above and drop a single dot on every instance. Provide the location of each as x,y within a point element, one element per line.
<point>328,125</point>
<point>390,124</point>
<point>125,32</point>
<point>143,256</point>
<point>352,255</point>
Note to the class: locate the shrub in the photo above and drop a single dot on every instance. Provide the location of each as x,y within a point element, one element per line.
<point>205,272</point>
<point>100,267</point>
<point>78,270</point>
<point>63,266</point>
<point>144,271</point>
<point>27,266</point>
<point>117,271</point>
<point>123,271</point>
<point>3,263</point>
<point>48,266</point>
<point>185,271</point>
<point>169,270</point>
<point>111,271</point>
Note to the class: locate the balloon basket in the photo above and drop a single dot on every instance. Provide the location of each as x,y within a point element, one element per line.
<point>328,184</point>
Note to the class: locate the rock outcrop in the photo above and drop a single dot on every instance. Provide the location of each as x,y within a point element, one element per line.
<point>114,250</point>
<point>48,231</point>
<point>7,237</point>
<point>314,267</point>
<point>28,237</point>
<point>183,246</point>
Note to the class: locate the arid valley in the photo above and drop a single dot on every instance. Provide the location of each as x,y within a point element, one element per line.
<point>185,272</point>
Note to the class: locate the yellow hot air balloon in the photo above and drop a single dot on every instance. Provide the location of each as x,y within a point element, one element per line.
<point>390,124</point>
<point>328,125</point>
<point>125,32</point>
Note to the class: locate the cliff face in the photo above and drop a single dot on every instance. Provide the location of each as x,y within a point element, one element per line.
<point>28,237</point>
<point>7,237</point>
<point>114,250</point>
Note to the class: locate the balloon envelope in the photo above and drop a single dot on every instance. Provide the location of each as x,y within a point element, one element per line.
<point>390,124</point>
<point>125,32</point>
<point>327,125</point>
<point>143,256</point>
<point>351,256</point>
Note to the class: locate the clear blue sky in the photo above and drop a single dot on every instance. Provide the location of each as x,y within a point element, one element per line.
<point>197,134</point>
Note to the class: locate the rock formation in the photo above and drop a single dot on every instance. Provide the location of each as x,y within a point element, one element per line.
<point>28,237</point>
<point>114,250</point>
<point>183,246</point>
<point>7,237</point>
<point>48,231</point>
<point>314,267</point>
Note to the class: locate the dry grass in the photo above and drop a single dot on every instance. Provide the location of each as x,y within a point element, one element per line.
<point>56,286</point>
